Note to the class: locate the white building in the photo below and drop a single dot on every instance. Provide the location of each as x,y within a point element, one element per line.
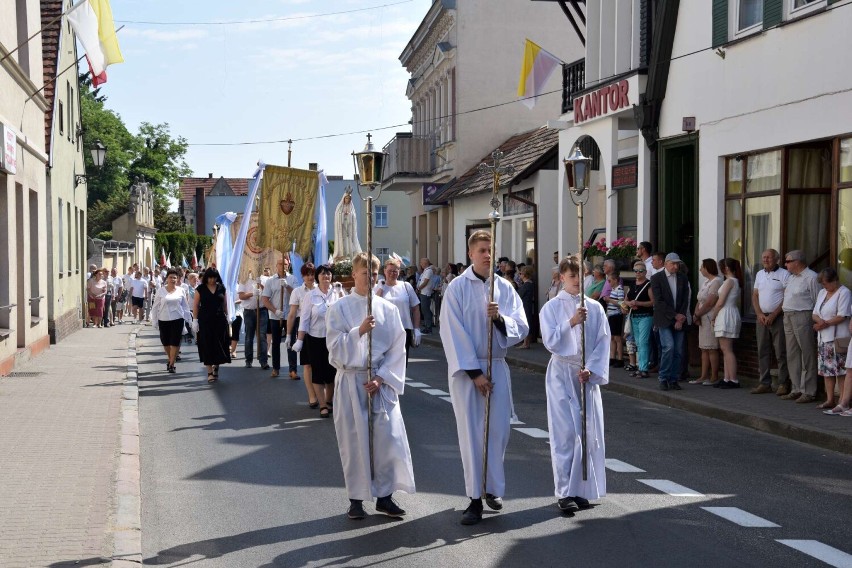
<point>23,187</point>
<point>66,189</point>
<point>772,107</point>
<point>464,60</point>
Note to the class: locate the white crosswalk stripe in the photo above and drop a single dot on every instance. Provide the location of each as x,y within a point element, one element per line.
<point>820,551</point>
<point>416,385</point>
<point>740,517</point>
<point>670,487</point>
<point>622,467</point>
<point>436,392</point>
<point>533,432</point>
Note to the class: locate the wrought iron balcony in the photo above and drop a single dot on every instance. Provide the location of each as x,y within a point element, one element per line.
<point>408,155</point>
<point>573,81</point>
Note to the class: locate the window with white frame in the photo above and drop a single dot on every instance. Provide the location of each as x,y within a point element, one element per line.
<point>797,8</point>
<point>749,14</point>
<point>381,215</point>
<point>61,238</point>
<point>382,253</point>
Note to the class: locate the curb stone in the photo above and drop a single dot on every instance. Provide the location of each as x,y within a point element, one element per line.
<point>127,529</point>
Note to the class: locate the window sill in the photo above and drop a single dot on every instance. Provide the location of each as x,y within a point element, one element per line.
<point>35,320</point>
<point>5,333</point>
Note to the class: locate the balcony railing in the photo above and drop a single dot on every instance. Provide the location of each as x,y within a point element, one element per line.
<point>573,81</point>
<point>408,155</point>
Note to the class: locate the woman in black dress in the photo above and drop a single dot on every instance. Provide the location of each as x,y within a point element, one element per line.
<point>211,323</point>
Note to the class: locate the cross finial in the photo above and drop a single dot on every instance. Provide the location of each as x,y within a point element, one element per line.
<point>369,137</point>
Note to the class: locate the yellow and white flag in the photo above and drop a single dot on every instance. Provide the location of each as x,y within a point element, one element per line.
<point>93,24</point>
<point>536,69</point>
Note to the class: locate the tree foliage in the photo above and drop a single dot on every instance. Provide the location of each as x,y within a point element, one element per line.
<point>182,244</point>
<point>152,155</point>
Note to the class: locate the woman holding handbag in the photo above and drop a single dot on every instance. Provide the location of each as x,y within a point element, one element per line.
<point>831,315</point>
<point>640,301</point>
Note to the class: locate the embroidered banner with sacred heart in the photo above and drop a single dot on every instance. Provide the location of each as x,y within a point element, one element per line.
<point>288,198</point>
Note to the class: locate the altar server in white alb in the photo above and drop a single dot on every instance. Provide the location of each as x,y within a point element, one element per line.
<point>466,314</point>
<point>347,329</point>
<point>561,331</point>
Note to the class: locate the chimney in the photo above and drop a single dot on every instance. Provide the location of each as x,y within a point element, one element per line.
<point>312,166</point>
<point>210,176</point>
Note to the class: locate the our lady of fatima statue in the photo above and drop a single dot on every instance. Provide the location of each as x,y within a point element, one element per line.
<point>346,243</point>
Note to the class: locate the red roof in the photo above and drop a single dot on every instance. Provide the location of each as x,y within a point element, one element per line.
<point>189,185</point>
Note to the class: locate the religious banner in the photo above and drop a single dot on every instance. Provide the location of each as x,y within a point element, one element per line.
<point>287,205</point>
<point>255,257</point>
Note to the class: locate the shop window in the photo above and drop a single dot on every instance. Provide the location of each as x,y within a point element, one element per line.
<point>762,231</point>
<point>627,212</point>
<point>735,176</point>
<point>734,229</point>
<point>763,172</point>
<point>845,161</point>
<point>844,236</point>
<point>809,168</point>
<point>808,222</point>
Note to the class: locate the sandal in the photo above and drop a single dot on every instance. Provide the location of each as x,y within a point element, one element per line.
<point>324,412</point>
<point>211,378</point>
<point>314,404</point>
<point>826,405</point>
<point>216,371</point>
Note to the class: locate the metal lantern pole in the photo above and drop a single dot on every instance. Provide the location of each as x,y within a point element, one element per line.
<point>496,170</point>
<point>369,165</point>
<point>577,167</point>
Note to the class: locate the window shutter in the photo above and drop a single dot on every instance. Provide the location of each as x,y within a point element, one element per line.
<point>720,22</point>
<point>772,13</point>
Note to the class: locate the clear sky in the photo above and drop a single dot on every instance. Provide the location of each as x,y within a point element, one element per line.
<point>293,78</point>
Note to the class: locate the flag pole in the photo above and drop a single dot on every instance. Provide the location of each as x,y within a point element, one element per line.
<point>496,170</point>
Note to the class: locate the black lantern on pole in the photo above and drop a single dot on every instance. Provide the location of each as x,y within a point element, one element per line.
<point>578,168</point>
<point>369,165</point>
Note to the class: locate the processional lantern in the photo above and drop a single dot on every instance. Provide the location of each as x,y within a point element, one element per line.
<point>369,165</point>
<point>578,168</point>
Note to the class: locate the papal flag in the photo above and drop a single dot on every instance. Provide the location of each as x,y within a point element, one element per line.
<point>536,69</point>
<point>93,24</point>
<point>288,200</point>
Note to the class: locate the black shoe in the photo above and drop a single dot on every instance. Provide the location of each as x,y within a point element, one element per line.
<point>494,503</point>
<point>473,513</point>
<point>664,386</point>
<point>729,385</point>
<point>389,507</point>
<point>172,369</point>
<point>718,384</point>
<point>356,510</point>
<point>618,363</point>
<point>567,505</point>
<point>248,364</point>
<point>631,368</point>
<point>582,503</point>
<point>675,387</point>
<point>265,367</point>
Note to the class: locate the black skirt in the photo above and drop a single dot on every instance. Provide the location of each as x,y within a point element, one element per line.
<point>214,340</point>
<point>171,332</point>
<point>315,353</point>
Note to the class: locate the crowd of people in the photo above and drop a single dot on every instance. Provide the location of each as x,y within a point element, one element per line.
<point>803,321</point>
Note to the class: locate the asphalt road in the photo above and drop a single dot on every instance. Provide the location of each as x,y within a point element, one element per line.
<point>243,473</point>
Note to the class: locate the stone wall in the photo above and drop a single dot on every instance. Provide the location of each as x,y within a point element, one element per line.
<point>64,325</point>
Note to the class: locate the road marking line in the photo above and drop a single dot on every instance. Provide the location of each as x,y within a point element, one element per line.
<point>670,487</point>
<point>820,551</point>
<point>447,398</point>
<point>416,385</point>
<point>515,421</point>
<point>740,517</point>
<point>302,421</point>
<point>533,432</point>
<point>622,467</point>
<point>436,392</point>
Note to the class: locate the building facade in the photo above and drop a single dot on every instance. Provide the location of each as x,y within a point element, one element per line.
<point>23,187</point>
<point>136,227</point>
<point>464,60</point>
<point>66,187</point>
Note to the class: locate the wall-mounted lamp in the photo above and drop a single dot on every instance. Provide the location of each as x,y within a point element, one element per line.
<point>98,152</point>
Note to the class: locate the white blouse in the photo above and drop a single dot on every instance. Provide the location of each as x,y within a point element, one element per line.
<point>313,309</point>
<point>169,306</point>
<point>840,304</point>
<point>403,296</point>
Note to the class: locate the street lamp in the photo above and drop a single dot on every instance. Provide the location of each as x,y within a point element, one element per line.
<point>369,167</point>
<point>98,152</point>
<point>578,169</point>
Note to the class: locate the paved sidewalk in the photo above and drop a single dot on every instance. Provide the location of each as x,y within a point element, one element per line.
<point>764,412</point>
<point>60,446</point>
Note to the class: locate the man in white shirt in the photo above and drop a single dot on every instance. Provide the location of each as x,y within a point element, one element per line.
<point>464,334</point>
<point>767,299</point>
<point>424,292</point>
<point>249,294</point>
<point>138,295</point>
<point>276,299</point>
<point>643,251</point>
<point>800,295</point>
